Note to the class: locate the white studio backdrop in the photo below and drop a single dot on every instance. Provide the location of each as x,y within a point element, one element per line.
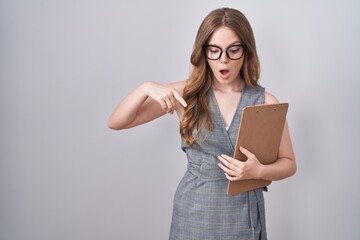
<point>64,66</point>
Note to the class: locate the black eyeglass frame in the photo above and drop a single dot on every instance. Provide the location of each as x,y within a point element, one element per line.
<point>226,50</point>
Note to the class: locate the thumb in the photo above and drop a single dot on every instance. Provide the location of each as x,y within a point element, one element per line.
<point>245,151</point>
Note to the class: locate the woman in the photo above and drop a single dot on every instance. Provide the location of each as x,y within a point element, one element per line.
<point>224,80</point>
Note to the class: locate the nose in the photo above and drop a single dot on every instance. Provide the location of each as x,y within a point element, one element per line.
<point>224,58</point>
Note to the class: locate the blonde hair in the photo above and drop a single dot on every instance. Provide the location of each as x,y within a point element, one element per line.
<point>196,91</point>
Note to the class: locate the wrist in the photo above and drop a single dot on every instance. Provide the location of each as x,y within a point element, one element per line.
<point>261,171</point>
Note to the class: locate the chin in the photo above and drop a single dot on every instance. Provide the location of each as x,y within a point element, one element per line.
<point>226,80</point>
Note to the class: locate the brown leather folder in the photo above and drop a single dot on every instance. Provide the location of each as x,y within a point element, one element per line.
<point>260,132</point>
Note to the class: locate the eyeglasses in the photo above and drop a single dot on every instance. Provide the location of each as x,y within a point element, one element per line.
<point>233,52</point>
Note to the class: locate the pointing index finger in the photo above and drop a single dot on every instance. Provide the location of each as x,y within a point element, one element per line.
<point>179,98</point>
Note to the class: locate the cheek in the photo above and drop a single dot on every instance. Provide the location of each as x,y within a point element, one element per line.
<point>238,65</point>
<point>212,66</point>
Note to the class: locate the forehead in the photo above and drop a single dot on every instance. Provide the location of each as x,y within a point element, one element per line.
<point>223,36</point>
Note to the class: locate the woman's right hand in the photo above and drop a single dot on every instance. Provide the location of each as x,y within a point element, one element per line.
<point>166,96</point>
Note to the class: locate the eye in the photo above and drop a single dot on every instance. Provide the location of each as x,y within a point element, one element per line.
<point>234,49</point>
<point>214,50</point>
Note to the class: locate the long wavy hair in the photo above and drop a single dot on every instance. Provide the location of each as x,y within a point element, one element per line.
<point>196,91</point>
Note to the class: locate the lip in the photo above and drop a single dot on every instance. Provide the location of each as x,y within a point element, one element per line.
<point>224,73</point>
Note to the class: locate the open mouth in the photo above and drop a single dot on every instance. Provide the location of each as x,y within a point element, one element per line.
<point>224,72</point>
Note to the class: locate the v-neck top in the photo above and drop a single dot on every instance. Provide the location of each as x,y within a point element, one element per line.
<point>224,139</point>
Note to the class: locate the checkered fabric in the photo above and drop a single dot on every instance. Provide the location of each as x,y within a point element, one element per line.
<point>202,210</point>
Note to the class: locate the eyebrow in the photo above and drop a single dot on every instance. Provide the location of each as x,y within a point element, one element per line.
<point>234,43</point>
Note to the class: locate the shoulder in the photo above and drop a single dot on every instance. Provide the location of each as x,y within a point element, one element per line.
<point>270,98</point>
<point>178,86</point>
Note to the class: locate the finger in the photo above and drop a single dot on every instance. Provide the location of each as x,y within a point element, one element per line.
<point>173,101</point>
<point>246,152</point>
<point>169,105</point>
<point>224,161</point>
<point>231,178</point>
<point>227,170</point>
<point>163,104</point>
<point>231,160</point>
<point>179,98</point>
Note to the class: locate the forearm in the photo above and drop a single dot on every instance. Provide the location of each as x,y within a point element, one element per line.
<point>147,102</point>
<point>282,168</point>
<point>125,113</point>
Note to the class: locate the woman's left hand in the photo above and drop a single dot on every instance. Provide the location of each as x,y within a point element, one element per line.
<point>238,170</point>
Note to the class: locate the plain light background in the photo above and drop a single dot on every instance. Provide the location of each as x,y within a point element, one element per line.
<point>65,65</point>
